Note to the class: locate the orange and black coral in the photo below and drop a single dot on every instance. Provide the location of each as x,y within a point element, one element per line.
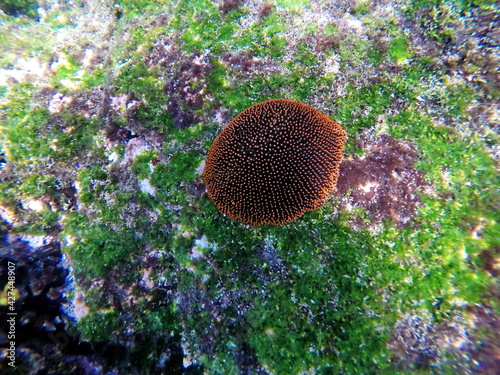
<point>273,162</point>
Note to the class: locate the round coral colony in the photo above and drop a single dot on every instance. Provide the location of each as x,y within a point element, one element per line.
<point>273,162</point>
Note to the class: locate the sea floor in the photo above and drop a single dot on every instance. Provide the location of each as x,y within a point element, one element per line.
<point>113,258</point>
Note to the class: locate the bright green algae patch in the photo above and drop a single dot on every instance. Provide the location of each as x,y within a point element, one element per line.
<point>310,296</point>
<point>318,295</point>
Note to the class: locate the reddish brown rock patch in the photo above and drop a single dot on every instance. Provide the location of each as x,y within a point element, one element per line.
<point>383,181</point>
<point>185,91</point>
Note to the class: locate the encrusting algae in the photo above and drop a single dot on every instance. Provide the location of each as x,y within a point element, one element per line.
<point>273,162</point>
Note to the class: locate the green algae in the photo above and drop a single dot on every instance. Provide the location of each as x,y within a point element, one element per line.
<point>100,326</point>
<point>398,49</point>
<point>442,18</point>
<point>142,164</point>
<point>19,7</point>
<point>101,249</point>
<point>33,135</point>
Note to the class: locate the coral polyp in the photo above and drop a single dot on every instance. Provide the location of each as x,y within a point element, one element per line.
<point>273,162</point>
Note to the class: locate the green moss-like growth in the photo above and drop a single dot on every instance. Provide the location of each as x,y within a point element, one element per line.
<point>19,7</point>
<point>167,178</point>
<point>398,49</point>
<point>100,326</point>
<point>142,165</point>
<point>362,7</point>
<point>101,249</point>
<point>33,135</point>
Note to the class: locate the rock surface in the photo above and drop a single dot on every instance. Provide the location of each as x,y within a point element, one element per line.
<point>122,264</point>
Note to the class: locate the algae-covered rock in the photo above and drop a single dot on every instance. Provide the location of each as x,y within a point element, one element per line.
<point>115,260</point>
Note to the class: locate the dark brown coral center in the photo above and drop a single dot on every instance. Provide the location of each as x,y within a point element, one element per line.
<point>273,162</point>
